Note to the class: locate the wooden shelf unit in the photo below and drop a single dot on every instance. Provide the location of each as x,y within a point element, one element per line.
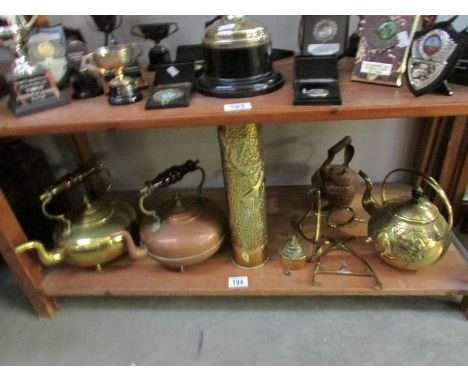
<point>146,278</point>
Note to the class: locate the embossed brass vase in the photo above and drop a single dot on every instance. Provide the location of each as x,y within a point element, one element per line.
<point>408,233</point>
<point>92,237</point>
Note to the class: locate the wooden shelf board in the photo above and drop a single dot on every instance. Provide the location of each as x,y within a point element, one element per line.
<point>125,277</point>
<point>360,101</point>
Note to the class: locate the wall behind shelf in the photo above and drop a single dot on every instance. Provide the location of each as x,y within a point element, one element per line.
<point>292,152</point>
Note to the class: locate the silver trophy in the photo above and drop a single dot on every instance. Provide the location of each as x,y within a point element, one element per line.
<point>32,88</point>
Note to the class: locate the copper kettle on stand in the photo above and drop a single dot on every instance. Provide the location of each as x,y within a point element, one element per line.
<point>338,184</point>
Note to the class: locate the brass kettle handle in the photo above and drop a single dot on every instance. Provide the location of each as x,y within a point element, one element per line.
<point>431,182</point>
<point>166,178</point>
<point>67,182</point>
<point>344,144</point>
<point>316,209</point>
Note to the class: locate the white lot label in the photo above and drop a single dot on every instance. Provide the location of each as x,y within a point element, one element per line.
<point>172,71</point>
<point>238,106</point>
<point>238,282</point>
<point>377,68</point>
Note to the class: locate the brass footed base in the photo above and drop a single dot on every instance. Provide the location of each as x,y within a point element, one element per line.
<point>250,260</point>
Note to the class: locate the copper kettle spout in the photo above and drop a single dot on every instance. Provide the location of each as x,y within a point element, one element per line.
<point>368,202</point>
<point>46,257</point>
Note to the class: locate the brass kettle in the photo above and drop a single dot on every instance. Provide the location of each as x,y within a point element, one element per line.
<point>92,237</point>
<point>185,230</point>
<point>337,183</point>
<point>408,233</point>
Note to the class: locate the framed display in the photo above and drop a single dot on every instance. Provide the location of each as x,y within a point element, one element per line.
<point>323,35</point>
<point>383,49</point>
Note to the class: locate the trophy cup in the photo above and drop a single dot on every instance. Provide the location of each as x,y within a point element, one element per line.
<point>111,61</point>
<point>158,54</point>
<point>32,87</point>
<point>107,24</point>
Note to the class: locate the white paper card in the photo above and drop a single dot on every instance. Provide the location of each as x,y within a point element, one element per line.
<point>403,39</point>
<point>237,106</point>
<point>376,68</point>
<point>172,71</point>
<point>238,282</point>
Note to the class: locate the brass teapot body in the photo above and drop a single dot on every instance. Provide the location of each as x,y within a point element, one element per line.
<point>91,238</point>
<point>409,233</point>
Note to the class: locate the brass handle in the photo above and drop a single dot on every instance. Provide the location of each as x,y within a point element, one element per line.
<point>431,182</point>
<point>166,178</point>
<point>87,65</point>
<point>316,208</point>
<point>67,182</point>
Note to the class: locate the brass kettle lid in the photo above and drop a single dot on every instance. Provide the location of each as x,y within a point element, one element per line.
<point>232,32</point>
<point>95,212</point>
<point>417,209</point>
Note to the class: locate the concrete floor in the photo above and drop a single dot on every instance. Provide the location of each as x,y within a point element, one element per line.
<point>233,331</point>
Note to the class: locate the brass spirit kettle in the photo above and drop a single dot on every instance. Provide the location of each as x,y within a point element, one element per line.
<point>92,237</point>
<point>185,230</point>
<point>337,183</point>
<point>408,233</point>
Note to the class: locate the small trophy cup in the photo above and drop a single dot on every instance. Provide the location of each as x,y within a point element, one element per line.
<point>111,61</point>
<point>157,32</point>
<point>108,24</point>
<point>32,87</point>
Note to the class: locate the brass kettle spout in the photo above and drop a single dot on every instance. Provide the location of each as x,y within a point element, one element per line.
<point>368,202</point>
<point>46,257</point>
<point>134,251</point>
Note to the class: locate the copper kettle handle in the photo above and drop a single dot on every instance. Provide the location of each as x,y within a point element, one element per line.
<point>68,181</point>
<point>166,178</point>
<point>345,144</point>
<point>431,182</point>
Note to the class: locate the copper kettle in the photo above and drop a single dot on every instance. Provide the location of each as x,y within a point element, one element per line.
<point>337,183</point>
<point>185,230</point>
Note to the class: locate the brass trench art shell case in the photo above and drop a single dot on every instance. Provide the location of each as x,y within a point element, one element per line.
<point>245,190</point>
